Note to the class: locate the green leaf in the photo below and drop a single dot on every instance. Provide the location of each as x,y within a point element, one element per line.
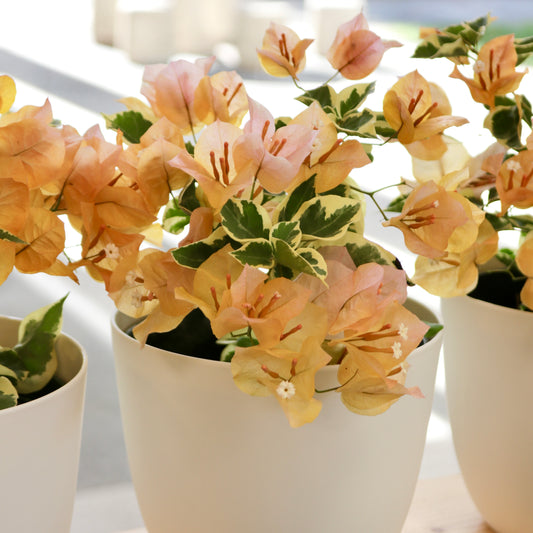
<point>383,128</point>
<point>434,328</point>
<point>352,97</point>
<point>8,393</point>
<point>193,255</point>
<point>131,123</point>
<point>188,200</point>
<point>524,48</point>
<point>288,232</point>
<point>11,365</point>
<point>306,260</point>
<point>453,41</point>
<point>304,192</point>
<point>360,124</point>
<point>6,236</point>
<point>244,220</point>
<point>504,123</point>
<point>258,254</point>
<point>363,251</point>
<point>396,205</point>
<point>324,95</point>
<point>327,217</point>
<point>509,222</point>
<point>174,218</point>
<point>37,334</point>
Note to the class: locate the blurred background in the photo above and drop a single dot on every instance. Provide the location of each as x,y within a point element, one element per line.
<point>86,54</point>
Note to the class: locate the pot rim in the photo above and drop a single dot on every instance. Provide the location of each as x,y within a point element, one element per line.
<point>488,306</point>
<point>64,388</point>
<point>127,321</point>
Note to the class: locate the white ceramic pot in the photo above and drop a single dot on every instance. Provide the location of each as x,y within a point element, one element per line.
<point>205,457</point>
<point>488,354</point>
<point>40,446</point>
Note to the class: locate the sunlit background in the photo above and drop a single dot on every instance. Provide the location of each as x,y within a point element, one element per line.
<point>86,54</point>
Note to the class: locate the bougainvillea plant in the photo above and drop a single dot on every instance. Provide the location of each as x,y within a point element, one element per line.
<point>209,219</point>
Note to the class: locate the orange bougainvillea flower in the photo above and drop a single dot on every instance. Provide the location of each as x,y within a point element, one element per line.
<point>356,51</point>
<point>435,221</point>
<point>524,260</point>
<point>265,306</point>
<point>147,163</point>
<point>457,274</point>
<point>93,167</point>
<point>283,52</point>
<point>331,159</point>
<point>494,71</point>
<point>276,153</point>
<point>221,96</point>
<point>211,280</point>
<point>410,109</point>
<point>14,205</point>
<point>170,89</point>
<point>219,170</point>
<point>290,379</point>
<point>31,150</point>
<point>514,182</point>
<point>44,237</point>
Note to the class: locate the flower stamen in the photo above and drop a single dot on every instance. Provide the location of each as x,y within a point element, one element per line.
<point>291,332</point>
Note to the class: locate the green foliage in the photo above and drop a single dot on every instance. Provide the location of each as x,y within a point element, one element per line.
<point>29,366</point>
<point>193,255</point>
<point>7,236</point>
<point>343,108</point>
<point>454,41</point>
<point>174,218</point>
<point>131,123</point>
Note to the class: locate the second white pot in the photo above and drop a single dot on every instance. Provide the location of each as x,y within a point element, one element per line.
<point>488,355</point>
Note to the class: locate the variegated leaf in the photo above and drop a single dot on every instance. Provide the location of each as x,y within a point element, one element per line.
<point>289,232</point>
<point>258,254</point>
<point>37,334</point>
<point>244,220</point>
<point>8,393</point>
<point>193,255</point>
<point>327,217</point>
<point>174,218</point>
<point>306,260</point>
<point>304,192</point>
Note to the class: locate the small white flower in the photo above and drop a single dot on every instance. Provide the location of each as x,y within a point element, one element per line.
<point>403,330</point>
<point>136,300</point>
<point>286,390</point>
<point>112,251</point>
<point>397,350</point>
<point>479,67</point>
<point>513,164</point>
<point>130,278</point>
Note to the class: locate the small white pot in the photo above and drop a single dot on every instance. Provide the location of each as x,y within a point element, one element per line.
<point>205,457</point>
<point>488,354</point>
<point>40,446</point>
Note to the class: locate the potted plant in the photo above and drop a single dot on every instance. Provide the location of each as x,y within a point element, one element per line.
<point>275,285</point>
<point>488,288</point>
<point>42,371</point>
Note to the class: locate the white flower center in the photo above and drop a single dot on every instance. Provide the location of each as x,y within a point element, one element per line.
<point>286,390</point>
<point>479,67</point>
<point>111,251</point>
<point>130,278</point>
<point>403,330</point>
<point>513,164</point>
<point>397,350</point>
